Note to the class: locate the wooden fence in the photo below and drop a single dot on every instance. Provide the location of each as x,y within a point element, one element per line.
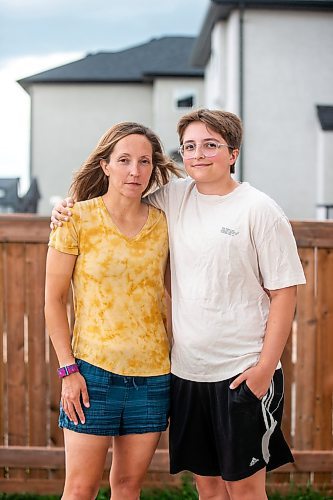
<point>31,445</point>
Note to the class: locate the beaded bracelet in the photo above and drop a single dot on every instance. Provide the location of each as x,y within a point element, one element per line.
<point>63,371</point>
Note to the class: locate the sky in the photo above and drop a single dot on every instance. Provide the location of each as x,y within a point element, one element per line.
<point>36,35</point>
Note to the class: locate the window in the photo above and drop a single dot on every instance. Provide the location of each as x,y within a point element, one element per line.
<point>185,102</point>
<point>185,99</point>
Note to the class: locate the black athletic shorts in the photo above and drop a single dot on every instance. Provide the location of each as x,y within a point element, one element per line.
<point>218,431</point>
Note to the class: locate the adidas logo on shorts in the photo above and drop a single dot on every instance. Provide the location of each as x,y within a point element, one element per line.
<point>254,461</point>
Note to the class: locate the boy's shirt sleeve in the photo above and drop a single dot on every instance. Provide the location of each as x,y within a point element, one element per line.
<point>66,238</point>
<point>278,258</point>
<point>159,198</point>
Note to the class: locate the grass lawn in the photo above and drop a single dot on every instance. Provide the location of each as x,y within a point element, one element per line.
<point>186,492</point>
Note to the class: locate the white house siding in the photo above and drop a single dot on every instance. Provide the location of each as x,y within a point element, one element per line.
<point>68,120</point>
<point>216,70</point>
<point>324,161</point>
<point>165,112</point>
<point>222,71</point>
<point>288,70</point>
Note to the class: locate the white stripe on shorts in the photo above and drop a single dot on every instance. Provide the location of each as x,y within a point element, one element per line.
<point>270,422</point>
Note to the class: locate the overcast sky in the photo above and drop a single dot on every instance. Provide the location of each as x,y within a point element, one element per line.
<point>41,34</point>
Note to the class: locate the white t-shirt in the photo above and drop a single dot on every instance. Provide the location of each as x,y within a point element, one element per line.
<point>224,250</point>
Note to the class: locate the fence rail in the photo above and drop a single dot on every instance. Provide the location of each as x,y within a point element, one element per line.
<point>31,444</point>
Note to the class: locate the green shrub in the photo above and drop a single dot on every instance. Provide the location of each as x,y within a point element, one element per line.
<point>187,491</point>
<point>301,494</point>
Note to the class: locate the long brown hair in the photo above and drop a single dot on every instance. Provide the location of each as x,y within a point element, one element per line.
<point>90,181</point>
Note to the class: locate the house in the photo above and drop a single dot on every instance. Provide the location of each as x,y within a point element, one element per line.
<point>74,104</point>
<point>272,63</point>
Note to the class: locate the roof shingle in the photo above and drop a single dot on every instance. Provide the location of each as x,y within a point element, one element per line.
<point>166,56</point>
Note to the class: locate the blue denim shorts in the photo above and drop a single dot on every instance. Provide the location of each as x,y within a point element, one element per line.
<point>120,404</point>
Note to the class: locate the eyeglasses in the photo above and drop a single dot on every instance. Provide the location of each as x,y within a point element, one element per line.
<point>208,149</point>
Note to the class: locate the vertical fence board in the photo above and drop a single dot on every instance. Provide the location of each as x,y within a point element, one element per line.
<point>2,327</point>
<point>324,365</point>
<point>306,359</point>
<point>16,387</point>
<point>2,368</point>
<point>37,368</point>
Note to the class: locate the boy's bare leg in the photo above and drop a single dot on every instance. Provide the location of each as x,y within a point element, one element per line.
<point>215,488</point>
<point>211,488</point>
<point>250,488</point>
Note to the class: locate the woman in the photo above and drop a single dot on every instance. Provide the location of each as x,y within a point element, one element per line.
<point>115,371</point>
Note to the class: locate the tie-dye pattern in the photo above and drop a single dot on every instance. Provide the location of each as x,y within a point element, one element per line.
<point>118,282</point>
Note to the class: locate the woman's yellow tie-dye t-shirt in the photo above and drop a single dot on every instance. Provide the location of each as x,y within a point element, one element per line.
<point>118,283</point>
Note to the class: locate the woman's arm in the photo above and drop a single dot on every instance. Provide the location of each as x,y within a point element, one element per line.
<point>167,286</point>
<point>281,314</point>
<point>59,270</point>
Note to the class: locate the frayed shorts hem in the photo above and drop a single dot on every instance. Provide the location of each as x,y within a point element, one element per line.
<point>99,432</point>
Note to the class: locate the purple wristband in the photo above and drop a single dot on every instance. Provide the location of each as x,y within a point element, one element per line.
<point>63,371</point>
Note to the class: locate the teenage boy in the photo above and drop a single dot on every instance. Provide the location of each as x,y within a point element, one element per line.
<point>234,272</point>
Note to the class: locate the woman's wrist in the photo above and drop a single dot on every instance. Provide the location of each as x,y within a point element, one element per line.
<point>66,370</point>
